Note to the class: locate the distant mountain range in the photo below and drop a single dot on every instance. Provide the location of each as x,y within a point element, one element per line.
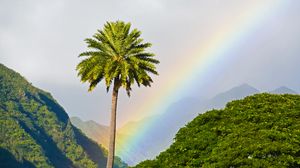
<point>159,137</point>
<point>35,131</point>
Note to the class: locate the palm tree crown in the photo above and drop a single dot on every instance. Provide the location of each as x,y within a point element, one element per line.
<point>117,54</point>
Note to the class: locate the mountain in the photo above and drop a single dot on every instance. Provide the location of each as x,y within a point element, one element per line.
<point>35,131</point>
<point>257,131</point>
<point>235,93</point>
<point>100,133</point>
<point>93,130</point>
<point>283,90</point>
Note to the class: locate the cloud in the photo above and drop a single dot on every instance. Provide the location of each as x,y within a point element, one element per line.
<point>42,39</point>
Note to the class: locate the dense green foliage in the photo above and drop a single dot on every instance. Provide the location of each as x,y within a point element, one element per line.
<point>259,131</point>
<point>117,54</point>
<point>36,132</point>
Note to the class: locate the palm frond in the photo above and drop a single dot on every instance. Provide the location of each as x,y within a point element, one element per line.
<point>117,53</point>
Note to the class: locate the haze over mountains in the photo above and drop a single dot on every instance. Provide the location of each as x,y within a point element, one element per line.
<point>283,90</point>
<point>159,137</point>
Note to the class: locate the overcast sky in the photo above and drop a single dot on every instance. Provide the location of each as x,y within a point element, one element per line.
<point>41,39</point>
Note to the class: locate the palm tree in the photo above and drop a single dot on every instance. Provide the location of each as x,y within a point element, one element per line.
<point>116,55</point>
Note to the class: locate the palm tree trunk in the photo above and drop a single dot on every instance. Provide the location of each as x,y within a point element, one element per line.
<point>112,136</point>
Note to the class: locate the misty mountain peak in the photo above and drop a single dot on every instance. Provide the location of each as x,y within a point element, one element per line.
<point>245,87</point>
<point>238,91</point>
<point>283,90</point>
<point>235,93</point>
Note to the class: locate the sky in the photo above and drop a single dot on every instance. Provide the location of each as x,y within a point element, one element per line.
<point>42,40</point>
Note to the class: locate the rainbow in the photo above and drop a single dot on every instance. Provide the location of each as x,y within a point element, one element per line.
<point>200,63</point>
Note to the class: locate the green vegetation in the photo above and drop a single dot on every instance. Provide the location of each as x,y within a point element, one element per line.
<point>36,132</point>
<point>117,55</point>
<point>259,131</point>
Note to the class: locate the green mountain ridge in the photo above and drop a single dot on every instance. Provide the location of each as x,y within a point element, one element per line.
<point>35,131</point>
<point>262,130</point>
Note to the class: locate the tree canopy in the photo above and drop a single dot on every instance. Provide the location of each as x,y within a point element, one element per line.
<point>117,53</point>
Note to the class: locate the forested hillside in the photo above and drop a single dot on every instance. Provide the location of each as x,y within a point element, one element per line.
<point>259,131</point>
<point>35,131</point>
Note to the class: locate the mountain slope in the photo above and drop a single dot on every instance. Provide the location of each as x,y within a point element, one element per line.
<point>258,131</point>
<point>100,133</point>
<point>35,131</point>
<point>95,131</point>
